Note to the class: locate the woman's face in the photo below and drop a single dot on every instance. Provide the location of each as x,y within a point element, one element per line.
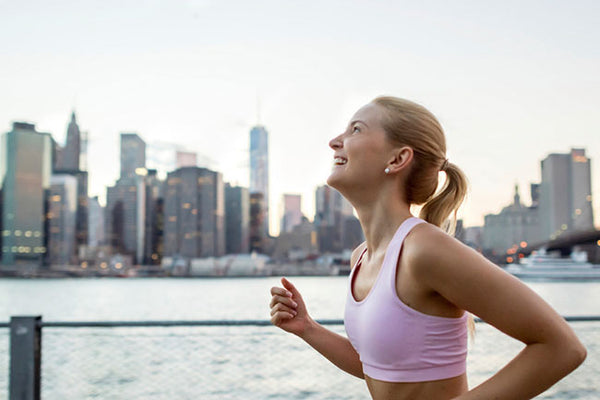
<point>361,152</point>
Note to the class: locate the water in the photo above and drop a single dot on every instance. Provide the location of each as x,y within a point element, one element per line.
<point>231,362</point>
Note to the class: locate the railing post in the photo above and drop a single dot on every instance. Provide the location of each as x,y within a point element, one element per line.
<point>25,357</point>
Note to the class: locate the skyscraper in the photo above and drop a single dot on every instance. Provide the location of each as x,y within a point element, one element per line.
<point>292,213</point>
<point>194,213</point>
<point>72,149</point>
<point>62,210</point>
<point>69,161</point>
<point>334,216</point>
<point>259,169</point>
<point>133,154</point>
<point>237,219</point>
<point>25,169</point>
<point>126,201</point>
<point>565,194</point>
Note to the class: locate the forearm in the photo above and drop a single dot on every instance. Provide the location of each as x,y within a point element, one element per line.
<point>531,372</point>
<point>336,348</point>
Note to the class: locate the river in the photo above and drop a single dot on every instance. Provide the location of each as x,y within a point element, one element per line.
<point>135,362</point>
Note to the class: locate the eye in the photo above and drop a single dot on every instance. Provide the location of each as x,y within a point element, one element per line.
<point>355,129</point>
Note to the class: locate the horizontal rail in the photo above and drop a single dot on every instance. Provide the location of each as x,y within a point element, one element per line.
<point>183,323</point>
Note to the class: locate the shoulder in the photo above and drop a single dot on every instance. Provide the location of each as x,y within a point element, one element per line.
<point>432,254</point>
<point>356,253</point>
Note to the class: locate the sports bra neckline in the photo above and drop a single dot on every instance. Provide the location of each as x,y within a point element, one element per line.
<point>354,271</point>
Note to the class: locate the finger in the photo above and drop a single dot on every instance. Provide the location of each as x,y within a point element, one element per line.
<point>285,300</point>
<point>283,308</point>
<point>280,291</point>
<point>280,318</point>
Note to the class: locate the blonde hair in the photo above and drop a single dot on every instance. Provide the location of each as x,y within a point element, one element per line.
<point>409,124</point>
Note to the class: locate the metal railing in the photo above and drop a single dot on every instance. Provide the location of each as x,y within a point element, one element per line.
<point>241,359</point>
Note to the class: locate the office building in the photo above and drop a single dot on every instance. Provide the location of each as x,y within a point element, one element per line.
<point>25,170</point>
<point>154,220</point>
<point>62,212</point>
<point>237,219</point>
<point>258,238</point>
<point>259,169</point>
<point>332,213</point>
<point>71,160</point>
<point>566,194</point>
<point>292,213</point>
<point>96,236</point>
<point>133,154</point>
<point>125,214</point>
<point>194,222</point>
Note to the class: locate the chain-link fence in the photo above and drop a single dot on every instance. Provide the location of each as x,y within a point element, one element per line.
<point>239,361</point>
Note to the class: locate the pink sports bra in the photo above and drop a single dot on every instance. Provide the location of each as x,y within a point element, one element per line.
<point>395,342</point>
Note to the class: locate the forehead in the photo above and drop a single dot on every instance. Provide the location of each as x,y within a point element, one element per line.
<point>370,113</point>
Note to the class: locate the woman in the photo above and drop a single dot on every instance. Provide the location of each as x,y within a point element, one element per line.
<point>412,284</point>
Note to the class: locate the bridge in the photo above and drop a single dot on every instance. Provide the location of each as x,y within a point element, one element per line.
<point>589,241</point>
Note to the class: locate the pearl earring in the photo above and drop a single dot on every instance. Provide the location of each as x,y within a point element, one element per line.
<point>387,170</point>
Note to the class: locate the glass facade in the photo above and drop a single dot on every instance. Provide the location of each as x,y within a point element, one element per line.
<point>26,169</point>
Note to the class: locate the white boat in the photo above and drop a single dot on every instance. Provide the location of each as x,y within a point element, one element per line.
<point>543,265</point>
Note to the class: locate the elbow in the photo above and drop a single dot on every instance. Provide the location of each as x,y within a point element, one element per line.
<point>575,354</point>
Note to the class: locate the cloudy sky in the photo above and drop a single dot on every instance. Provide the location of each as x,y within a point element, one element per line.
<point>510,81</point>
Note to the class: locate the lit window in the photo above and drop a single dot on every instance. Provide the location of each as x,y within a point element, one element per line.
<point>28,233</point>
<point>187,205</point>
<point>37,233</point>
<point>563,227</point>
<point>6,233</point>
<point>56,198</point>
<point>18,233</point>
<point>578,212</point>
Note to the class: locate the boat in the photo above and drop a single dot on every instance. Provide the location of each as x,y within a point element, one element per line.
<point>544,265</point>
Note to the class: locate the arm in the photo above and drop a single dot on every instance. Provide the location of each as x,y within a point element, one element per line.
<point>472,283</point>
<point>289,313</point>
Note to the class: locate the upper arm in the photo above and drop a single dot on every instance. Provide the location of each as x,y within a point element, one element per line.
<point>472,283</point>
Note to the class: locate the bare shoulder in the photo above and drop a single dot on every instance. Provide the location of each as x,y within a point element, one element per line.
<point>435,256</point>
<point>356,253</point>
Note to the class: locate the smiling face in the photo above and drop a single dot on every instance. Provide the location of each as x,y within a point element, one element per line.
<point>361,152</point>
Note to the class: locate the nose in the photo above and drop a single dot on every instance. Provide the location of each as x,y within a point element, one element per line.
<point>336,142</point>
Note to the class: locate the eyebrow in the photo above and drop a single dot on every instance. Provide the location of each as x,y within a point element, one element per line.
<point>358,120</point>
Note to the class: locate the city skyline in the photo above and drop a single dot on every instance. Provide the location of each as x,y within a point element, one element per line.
<point>509,85</point>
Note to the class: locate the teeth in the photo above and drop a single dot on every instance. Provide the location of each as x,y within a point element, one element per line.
<point>339,161</point>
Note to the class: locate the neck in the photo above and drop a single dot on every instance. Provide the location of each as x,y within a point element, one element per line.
<point>380,216</point>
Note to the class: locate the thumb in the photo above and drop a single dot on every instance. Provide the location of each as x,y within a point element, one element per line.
<point>289,286</point>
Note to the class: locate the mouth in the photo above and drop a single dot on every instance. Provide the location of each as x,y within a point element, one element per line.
<point>339,161</point>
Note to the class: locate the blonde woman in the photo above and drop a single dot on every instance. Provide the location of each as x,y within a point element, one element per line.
<point>412,285</point>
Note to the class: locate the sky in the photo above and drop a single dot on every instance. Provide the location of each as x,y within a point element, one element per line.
<point>510,81</point>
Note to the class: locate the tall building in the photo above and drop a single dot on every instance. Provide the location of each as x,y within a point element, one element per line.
<point>334,220</point>
<point>194,213</point>
<point>96,221</point>
<point>292,212</point>
<point>125,214</point>
<point>153,246</point>
<point>258,238</point>
<point>62,211</point>
<point>566,194</point>
<point>133,154</point>
<point>237,219</point>
<point>25,169</point>
<point>259,169</point>
<point>72,149</point>
<point>71,160</point>
<point>186,159</point>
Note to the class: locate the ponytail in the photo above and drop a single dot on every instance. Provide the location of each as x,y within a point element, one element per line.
<point>446,202</point>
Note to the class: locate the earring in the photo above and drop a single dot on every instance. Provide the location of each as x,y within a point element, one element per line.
<point>387,170</point>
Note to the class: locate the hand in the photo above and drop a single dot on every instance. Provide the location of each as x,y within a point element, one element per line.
<point>288,310</point>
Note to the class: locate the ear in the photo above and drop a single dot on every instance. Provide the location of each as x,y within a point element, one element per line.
<point>401,159</point>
